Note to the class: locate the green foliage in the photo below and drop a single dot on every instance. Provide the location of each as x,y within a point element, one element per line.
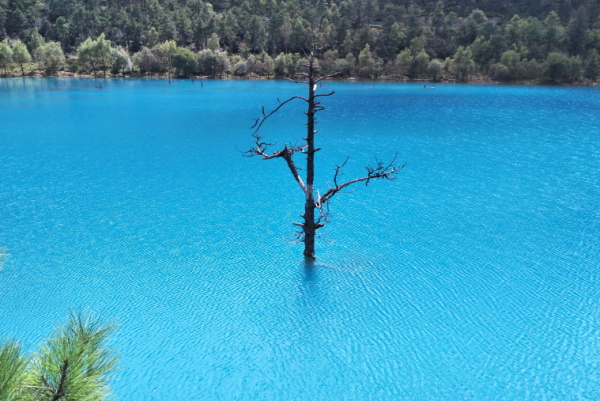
<point>213,42</point>
<point>591,69</point>
<point>96,54</point>
<point>240,68</point>
<point>61,26</point>
<point>328,61</point>
<point>420,64</point>
<point>438,18</point>
<point>575,69</point>
<point>395,39</point>
<point>556,68</point>
<point>577,31</point>
<point>345,66</point>
<point>531,30</point>
<point>20,54</point>
<point>511,60</point>
<point>12,370</point>
<point>284,65</point>
<point>75,363</point>
<point>102,51</point>
<point>463,64</point>
<point>268,65</point>
<point>364,60</point>
<point>435,68</point>
<point>146,61</point>
<point>222,64</point>
<point>403,61</point>
<point>120,60</point>
<point>34,40</point>
<point>85,55</point>
<point>206,62</point>
<point>166,51</point>
<point>185,62</point>
<point>6,55</point>
<point>499,72</point>
<point>51,56</point>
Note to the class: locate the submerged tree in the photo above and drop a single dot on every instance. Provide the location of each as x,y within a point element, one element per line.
<point>320,204</point>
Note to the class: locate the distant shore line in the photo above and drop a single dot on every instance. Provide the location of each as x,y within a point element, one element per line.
<point>485,80</point>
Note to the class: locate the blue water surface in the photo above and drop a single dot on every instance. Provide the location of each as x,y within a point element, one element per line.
<point>474,275</point>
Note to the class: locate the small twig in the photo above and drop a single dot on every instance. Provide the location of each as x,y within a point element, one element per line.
<point>296,82</point>
<point>259,121</point>
<point>48,386</point>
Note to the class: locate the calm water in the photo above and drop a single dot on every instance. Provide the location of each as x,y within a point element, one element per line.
<point>474,275</point>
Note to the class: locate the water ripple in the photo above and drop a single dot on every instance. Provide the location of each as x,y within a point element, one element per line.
<point>472,276</point>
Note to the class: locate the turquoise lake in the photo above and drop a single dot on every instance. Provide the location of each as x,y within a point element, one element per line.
<point>474,275</point>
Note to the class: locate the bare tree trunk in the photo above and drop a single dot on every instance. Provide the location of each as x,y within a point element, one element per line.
<point>309,208</point>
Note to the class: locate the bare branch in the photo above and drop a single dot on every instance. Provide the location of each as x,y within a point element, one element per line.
<point>325,237</point>
<point>327,76</point>
<point>48,386</point>
<point>296,82</point>
<point>260,149</point>
<point>324,213</point>
<point>325,94</point>
<point>379,171</point>
<point>337,170</point>
<point>298,236</point>
<point>259,121</point>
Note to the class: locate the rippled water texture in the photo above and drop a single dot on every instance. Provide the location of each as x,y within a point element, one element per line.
<point>474,275</point>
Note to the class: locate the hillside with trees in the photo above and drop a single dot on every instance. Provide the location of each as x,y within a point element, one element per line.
<point>506,40</point>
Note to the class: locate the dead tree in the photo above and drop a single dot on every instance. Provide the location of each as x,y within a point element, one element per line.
<point>318,206</point>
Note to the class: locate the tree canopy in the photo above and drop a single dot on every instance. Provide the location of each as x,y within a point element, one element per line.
<point>402,37</point>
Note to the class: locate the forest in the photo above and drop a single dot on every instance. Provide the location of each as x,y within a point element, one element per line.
<point>503,40</point>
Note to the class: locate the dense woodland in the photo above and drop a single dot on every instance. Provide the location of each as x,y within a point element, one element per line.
<point>505,40</point>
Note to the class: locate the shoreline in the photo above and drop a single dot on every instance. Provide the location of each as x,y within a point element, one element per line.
<point>476,81</point>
